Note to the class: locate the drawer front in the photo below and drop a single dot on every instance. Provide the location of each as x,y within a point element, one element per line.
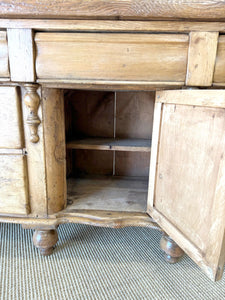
<point>4,67</point>
<point>13,183</point>
<point>111,56</point>
<point>10,118</point>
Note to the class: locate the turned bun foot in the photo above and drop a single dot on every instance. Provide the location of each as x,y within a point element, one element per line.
<point>172,251</point>
<point>45,240</point>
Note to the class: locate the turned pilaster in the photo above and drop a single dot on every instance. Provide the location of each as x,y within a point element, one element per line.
<point>32,101</point>
<point>172,251</point>
<point>45,240</point>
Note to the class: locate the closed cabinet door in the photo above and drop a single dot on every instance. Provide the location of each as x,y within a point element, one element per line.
<point>187,175</point>
<point>13,162</point>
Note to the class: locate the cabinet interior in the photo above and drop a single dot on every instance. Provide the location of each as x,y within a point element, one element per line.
<point>108,141</point>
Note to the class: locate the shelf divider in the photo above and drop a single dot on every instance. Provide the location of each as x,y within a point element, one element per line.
<point>137,145</point>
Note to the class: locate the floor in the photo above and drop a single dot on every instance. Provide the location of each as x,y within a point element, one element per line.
<point>98,263</point>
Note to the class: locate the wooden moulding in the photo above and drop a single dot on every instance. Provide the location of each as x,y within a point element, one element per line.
<point>113,25</point>
<point>106,85</point>
<point>111,9</point>
<point>88,217</point>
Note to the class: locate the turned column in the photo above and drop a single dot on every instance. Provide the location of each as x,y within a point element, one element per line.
<point>171,250</point>
<point>32,101</point>
<point>45,240</point>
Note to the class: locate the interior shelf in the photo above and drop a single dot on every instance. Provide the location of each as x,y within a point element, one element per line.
<point>141,145</point>
<point>107,193</point>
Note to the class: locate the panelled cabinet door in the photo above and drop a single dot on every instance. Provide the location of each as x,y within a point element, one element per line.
<point>187,174</point>
<point>14,198</point>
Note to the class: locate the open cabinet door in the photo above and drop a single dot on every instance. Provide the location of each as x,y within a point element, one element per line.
<point>187,173</point>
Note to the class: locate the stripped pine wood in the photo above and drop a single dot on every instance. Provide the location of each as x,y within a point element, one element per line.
<point>192,212</point>
<point>111,144</point>
<point>147,57</point>
<point>112,194</point>
<point>111,9</point>
<point>10,114</point>
<point>13,185</point>
<point>154,152</point>
<point>219,74</point>
<point>88,217</point>
<point>113,26</point>
<point>21,55</point>
<point>206,98</point>
<point>55,149</point>
<point>4,68</point>
<point>106,85</point>
<point>36,164</point>
<point>113,52</point>
<point>201,58</point>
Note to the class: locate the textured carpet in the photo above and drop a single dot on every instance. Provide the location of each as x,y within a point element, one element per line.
<point>98,263</point>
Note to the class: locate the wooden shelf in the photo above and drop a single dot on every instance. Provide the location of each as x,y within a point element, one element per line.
<point>107,194</point>
<point>140,145</point>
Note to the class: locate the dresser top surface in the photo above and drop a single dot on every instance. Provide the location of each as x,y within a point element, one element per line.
<point>115,9</point>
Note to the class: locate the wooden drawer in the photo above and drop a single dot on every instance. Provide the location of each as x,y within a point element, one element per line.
<point>10,118</point>
<point>4,67</point>
<point>13,182</point>
<point>111,56</point>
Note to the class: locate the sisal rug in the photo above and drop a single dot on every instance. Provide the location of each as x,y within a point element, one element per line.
<point>98,263</point>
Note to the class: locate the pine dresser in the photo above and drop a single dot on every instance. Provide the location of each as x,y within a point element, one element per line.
<point>112,113</point>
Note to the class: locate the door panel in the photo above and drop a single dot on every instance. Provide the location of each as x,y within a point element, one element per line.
<point>11,133</point>
<point>13,183</point>
<point>186,188</point>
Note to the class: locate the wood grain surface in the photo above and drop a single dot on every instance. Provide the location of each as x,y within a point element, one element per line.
<point>192,211</point>
<point>21,55</point>
<point>219,73</point>
<point>13,185</point>
<point>55,149</point>
<point>107,193</point>
<point>36,164</point>
<point>136,145</point>
<point>201,58</point>
<point>4,67</point>
<point>115,9</point>
<point>11,129</point>
<point>100,56</point>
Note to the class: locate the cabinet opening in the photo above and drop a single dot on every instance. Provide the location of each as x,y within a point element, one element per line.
<point>108,141</point>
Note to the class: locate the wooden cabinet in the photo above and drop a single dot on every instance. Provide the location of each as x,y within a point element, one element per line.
<point>115,123</point>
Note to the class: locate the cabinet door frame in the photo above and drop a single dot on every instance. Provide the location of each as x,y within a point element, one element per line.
<point>212,261</point>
